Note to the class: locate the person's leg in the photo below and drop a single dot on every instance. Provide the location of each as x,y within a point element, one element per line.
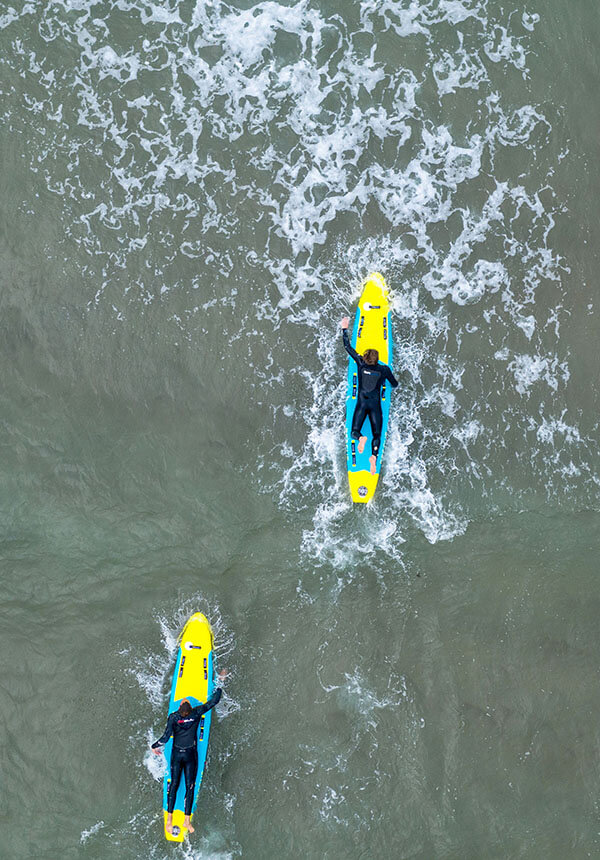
<point>176,768</point>
<point>358,419</point>
<point>190,772</point>
<point>376,419</point>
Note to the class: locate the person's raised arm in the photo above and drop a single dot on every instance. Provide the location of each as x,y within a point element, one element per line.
<point>214,700</point>
<point>352,352</point>
<point>158,745</point>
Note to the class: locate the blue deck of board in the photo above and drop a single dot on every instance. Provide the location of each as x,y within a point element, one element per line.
<point>203,734</point>
<point>357,462</point>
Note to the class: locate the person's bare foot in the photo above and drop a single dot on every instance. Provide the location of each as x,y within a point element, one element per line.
<point>361,444</point>
<point>169,824</point>
<point>188,824</point>
<point>373,462</point>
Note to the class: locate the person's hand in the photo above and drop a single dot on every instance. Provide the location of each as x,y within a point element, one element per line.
<point>157,750</point>
<point>223,674</point>
<point>345,322</point>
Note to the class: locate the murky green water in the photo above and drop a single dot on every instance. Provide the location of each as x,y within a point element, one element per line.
<point>190,197</point>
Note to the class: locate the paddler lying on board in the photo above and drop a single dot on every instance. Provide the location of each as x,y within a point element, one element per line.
<point>183,725</point>
<point>371,376</point>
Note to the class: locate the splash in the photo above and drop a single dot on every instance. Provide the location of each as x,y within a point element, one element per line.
<point>95,828</point>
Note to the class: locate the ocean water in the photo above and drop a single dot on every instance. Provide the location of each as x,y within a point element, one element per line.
<point>192,192</point>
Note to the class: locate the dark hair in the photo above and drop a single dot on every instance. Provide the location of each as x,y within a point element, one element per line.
<point>371,356</point>
<point>185,708</point>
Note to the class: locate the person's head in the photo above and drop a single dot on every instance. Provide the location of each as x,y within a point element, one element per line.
<point>185,708</point>
<point>371,356</point>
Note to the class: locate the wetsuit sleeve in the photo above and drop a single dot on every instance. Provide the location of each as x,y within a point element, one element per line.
<point>390,376</point>
<point>214,700</point>
<point>348,348</point>
<point>166,734</point>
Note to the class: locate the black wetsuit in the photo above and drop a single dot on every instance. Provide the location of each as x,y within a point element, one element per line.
<point>184,755</point>
<point>368,399</point>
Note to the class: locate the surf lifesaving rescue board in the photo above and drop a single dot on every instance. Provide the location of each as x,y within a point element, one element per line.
<point>193,679</point>
<point>372,330</point>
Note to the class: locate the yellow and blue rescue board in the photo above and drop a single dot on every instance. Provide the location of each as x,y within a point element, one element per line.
<point>193,680</point>
<point>372,330</point>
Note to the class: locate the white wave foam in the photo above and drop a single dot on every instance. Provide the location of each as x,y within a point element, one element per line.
<point>418,18</point>
<point>529,369</point>
<point>502,46</point>
<point>249,32</point>
<point>452,72</point>
<point>548,430</point>
<point>530,20</point>
<point>85,834</point>
<point>355,694</point>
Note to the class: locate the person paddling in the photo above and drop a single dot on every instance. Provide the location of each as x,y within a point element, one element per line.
<point>182,724</point>
<point>371,376</point>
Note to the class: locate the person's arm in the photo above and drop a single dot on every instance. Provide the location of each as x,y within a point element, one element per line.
<point>390,376</point>
<point>166,734</point>
<point>214,700</point>
<point>352,352</point>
